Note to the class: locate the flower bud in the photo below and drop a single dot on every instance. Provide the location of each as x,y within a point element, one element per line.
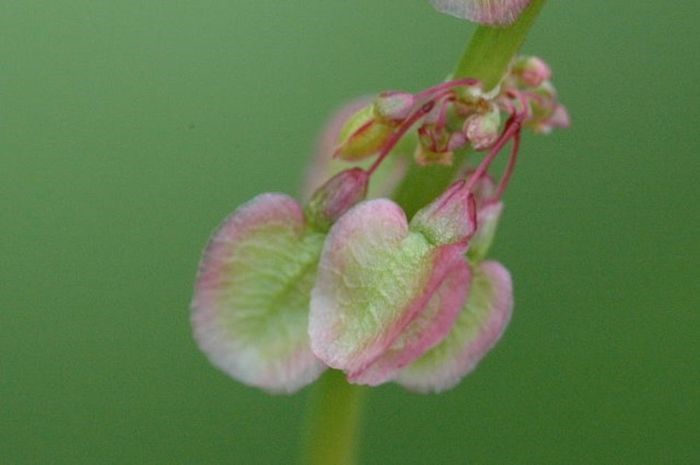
<point>362,135</point>
<point>531,71</point>
<point>449,219</point>
<point>432,148</point>
<point>547,112</point>
<point>335,197</point>
<point>482,129</point>
<point>394,106</point>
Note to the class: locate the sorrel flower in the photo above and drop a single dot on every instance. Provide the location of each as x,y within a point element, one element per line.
<point>285,291</point>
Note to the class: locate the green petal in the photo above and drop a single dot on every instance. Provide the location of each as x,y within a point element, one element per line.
<point>250,309</point>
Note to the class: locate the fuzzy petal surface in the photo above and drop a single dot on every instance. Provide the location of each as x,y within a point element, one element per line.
<point>445,294</point>
<point>490,12</point>
<point>250,309</point>
<point>477,329</point>
<point>374,278</point>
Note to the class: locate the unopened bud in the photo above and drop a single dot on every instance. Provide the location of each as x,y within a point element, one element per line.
<point>336,196</point>
<point>362,135</point>
<point>449,219</point>
<point>531,71</point>
<point>482,129</point>
<point>394,106</point>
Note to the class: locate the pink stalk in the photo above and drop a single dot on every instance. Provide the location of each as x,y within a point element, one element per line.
<point>442,118</point>
<point>449,85</point>
<point>503,184</point>
<point>512,127</point>
<point>400,132</point>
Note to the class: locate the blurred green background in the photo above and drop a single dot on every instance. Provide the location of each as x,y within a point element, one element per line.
<point>129,129</point>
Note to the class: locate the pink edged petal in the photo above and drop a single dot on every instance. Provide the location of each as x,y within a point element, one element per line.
<point>490,12</point>
<point>250,308</point>
<point>346,326</point>
<point>477,329</point>
<point>488,217</point>
<point>371,284</point>
<point>439,306</point>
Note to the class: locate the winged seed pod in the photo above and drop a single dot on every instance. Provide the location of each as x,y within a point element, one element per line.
<point>478,328</point>
<point>250,308</point>
<point>284,291</point>
<point>387,291</point>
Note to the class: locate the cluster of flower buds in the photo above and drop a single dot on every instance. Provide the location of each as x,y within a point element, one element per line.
<point>454,115</point>
<point>347,280</point>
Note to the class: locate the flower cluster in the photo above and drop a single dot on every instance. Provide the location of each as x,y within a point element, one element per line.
<point>347,280</point>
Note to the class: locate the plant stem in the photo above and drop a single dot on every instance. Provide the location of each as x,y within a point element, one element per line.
<point>334,421</point>
<point>486,58</point>
<point>489,52</point>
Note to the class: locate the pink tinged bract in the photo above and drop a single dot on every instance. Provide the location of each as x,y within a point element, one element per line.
<point>385,293</point>
<point>445,296</point>
<point>477,329</point>
<point>491,12</point>
<point>250,309</point>
<point>488,217</point>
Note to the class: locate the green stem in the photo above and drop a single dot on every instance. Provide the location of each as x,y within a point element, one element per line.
<point>486,58</point>
<point>334,421</point>
<point>490,50</point>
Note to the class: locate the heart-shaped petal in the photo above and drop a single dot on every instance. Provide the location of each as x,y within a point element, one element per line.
<point>490,12</point>
<point>450,279</point>
<point>477,329</point>
<point>250,309</point>
<point>375,278</point>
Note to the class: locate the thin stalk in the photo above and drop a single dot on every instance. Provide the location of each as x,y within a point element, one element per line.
<point>486,58</point>
<point>334,422</point>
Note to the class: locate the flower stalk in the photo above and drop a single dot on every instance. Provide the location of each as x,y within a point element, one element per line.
<point>485,58</point>
<point>333,425</point>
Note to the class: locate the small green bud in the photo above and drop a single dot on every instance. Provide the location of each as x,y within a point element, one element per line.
<point>362,135</point>
<point>482,129</point>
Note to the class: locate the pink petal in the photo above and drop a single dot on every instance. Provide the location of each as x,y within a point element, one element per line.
<point>477,329</point>
<point>491,12</point>
<point>445,295</point>
<point>346,330</point>
<point>249,312</point>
